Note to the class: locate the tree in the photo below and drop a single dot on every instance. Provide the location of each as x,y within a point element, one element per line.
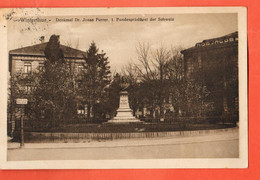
<point>21,86</point>
<point>196,98</point>
<point>175,80</point>
<point>130,75</point>
<point>152,68</point>
<point>188,93</point>
<point>95,80</point>
<point>113,95</point>
<point>161,57</point>
<point>162,82</point>
<point>55,92</point>
<point>53,52</point>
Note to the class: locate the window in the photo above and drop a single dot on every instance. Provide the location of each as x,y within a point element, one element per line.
<point>41,66</point>
<point>80,68</point>
<point>81,110</point>
<point>28,89</point>
<point>199,62</point>
<point>27,67</point>
<point>167,100</point>
<point>42,113</point>
<point>190,67</point>
<point>236,104</point>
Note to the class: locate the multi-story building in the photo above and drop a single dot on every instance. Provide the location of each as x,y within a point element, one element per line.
<point>31,58</point>
<point>216,61</point>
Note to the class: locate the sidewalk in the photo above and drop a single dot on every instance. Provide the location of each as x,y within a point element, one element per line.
<point>223,136</point>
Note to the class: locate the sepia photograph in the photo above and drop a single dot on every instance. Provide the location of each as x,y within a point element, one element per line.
<point>124,88</point>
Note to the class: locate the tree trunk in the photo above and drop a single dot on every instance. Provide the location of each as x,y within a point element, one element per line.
<point>94,112</point>
<point>88,113</point>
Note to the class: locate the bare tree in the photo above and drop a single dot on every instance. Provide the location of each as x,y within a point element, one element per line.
<point>175,76</point>
<point>152,67</point>
<point>160,58</point>
<point>144,67</point>
<point>130,72</point>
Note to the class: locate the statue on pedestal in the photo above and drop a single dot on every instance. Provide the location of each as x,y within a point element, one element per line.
<point>124,113</point>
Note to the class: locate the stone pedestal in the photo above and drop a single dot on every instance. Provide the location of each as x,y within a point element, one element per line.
<point>124,113</point>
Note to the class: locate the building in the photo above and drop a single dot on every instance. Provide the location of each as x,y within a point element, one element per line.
<point>216,62</point>
<point>31,58</point>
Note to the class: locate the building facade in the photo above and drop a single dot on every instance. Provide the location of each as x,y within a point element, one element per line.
<point>215,63</point>
<point>24,61</point>
<point>31,58</point>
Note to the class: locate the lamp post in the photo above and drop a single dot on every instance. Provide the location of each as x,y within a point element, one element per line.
<point>22,102</point>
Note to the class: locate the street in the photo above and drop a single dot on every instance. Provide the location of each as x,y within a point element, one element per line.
<point>219,145</point>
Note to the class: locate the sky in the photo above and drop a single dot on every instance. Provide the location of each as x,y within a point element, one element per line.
<point>119,39</point>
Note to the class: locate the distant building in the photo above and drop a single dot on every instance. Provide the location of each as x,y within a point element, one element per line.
<point>216,60</point>
<point>28,59</point>
<point>31,58</point>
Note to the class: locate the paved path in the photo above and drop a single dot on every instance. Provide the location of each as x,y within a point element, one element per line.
<point>225,144</point>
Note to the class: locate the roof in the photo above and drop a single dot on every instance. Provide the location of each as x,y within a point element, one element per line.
<point>215,42</point>
<point>234,34</point>
<point>38,50</point>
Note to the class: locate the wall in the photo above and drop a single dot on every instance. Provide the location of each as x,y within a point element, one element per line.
<point>37,137</point>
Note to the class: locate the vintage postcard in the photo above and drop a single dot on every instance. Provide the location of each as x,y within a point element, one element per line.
<point>116,88</point>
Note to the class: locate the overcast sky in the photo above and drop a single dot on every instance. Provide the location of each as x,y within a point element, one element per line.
<point>119,39</point>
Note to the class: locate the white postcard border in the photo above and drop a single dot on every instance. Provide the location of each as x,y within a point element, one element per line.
<point>241,162</point>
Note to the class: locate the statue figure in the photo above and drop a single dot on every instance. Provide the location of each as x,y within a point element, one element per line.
<point>124,84</point>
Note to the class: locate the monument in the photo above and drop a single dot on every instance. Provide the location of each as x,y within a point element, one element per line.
<point>124,113</point>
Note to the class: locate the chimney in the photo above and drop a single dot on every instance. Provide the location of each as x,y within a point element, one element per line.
<point>42,39</point>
